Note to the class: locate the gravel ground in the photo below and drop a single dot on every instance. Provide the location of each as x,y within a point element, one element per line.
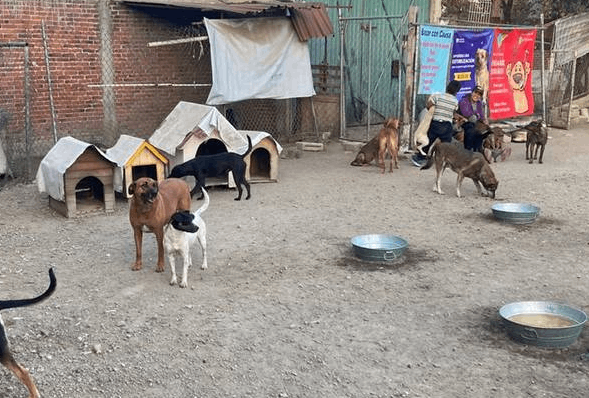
<point>285,310</point>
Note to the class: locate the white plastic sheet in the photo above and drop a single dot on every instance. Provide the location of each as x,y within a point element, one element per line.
<point>256,58</point>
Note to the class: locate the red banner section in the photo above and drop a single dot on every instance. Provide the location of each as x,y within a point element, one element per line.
<point>510,92</point>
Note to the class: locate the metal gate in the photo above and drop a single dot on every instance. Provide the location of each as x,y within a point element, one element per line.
<point>373,78</point>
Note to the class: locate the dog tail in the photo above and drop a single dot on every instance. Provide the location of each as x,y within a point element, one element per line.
<point>430,155</point>
<point>249,147</point>
<point>205,205</point>
<point>24,302</point>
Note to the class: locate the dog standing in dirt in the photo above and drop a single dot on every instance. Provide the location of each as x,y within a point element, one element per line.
<point>217,165</point>
<point>537,138</point>
<point>463,162</point>
<point>151,208</point>
<point>388,142</point>
<point>179,236</point>
<point>5,355</point>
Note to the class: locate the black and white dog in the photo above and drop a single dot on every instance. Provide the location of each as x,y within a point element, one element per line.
<point>180,234</point>
<point>5,355</point>
<point>217,165</point>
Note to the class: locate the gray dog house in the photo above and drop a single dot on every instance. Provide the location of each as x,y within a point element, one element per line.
<point>78,177</point>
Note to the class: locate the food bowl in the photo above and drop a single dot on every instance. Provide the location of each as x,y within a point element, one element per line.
<point>543,323</point>
<point>516,213</point>
<point>378,247</point>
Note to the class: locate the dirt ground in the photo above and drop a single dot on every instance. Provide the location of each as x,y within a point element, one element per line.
<point>285,310</point>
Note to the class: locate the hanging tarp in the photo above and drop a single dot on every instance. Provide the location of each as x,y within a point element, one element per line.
<point>256,58</point>
<point>512,63</point>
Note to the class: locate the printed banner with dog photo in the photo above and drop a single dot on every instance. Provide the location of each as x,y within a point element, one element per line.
<point>435,44</point>
<point>512,62</point>
<point>471,60</point>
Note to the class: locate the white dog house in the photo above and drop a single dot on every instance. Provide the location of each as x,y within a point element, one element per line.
<point>78,177</point>
<point>135,158</point>
<point>194,129</point>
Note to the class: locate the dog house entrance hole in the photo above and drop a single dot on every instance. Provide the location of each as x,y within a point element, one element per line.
<point>149,170</point>
<point>260,164</point>
<point>89,194</point>
<point>211,146</point>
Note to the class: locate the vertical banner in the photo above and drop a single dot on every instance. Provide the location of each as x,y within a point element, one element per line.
<point>512,61</point>
<point>471,60</point>
<point>435,44</point>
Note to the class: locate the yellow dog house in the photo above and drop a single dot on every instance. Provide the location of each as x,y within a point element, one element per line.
<point>135,158</point>
<point>78,177</point>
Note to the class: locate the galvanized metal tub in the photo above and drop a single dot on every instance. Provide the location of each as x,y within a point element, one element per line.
<point>378,247</point>
<point>543,323</point>
<point>516,213</point>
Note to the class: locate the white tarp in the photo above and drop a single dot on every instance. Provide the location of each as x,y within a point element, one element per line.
<point>257,58</point>
<point>185,118</point>
<point>64,153</point>
<point>121,153</point>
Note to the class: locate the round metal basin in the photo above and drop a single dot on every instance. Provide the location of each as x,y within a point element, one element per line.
<point>379,247</point>
<point>516,213</point>
<point>543,323</point>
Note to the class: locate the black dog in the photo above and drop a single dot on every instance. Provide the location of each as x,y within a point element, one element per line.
<point>474,135</point>
<point>5,355</point>
<point>217,165</point>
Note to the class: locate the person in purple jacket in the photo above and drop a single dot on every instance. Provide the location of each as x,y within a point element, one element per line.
<point>471,106</point>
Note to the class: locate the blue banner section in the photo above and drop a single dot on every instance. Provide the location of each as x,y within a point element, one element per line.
<point>471,60</point>
<point>435,46</point>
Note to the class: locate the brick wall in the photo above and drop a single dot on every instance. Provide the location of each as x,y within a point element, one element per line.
<point>87,45</point>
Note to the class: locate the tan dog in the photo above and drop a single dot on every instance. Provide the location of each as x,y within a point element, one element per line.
<point>152,206</point>
<point>420,135</point>
<point>465,163</point>
<point>388,142</point>
<point>482,72</point>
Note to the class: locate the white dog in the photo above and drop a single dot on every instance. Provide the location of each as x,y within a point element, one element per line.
<point>179,235</point>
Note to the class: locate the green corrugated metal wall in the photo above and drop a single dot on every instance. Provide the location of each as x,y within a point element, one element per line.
<point>372,46</point>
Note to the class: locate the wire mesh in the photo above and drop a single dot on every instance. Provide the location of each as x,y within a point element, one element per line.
<point>373,76</point>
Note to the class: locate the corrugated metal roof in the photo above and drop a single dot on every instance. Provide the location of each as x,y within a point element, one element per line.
<point>309,19</point>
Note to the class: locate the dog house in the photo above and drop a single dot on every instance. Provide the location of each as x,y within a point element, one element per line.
<point>188,126</point>
<point>262,162</point>
<point>135,158</point>
<point>78,178</point>
<point>194,129</point>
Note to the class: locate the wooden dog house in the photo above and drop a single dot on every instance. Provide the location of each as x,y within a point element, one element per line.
<point>135,158</point>
<point>262,162</point>
<point>195,129</point>
<point>78,177</point>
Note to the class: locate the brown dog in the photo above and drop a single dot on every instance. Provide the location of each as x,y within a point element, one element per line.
<point>536,140</point>
<point>388,142</point>
<point>367,153</point>
<point>152,206</point>
<point>465,163</point>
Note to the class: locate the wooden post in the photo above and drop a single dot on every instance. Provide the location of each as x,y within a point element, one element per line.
<point>574,61</point>
<point>409,76</point>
